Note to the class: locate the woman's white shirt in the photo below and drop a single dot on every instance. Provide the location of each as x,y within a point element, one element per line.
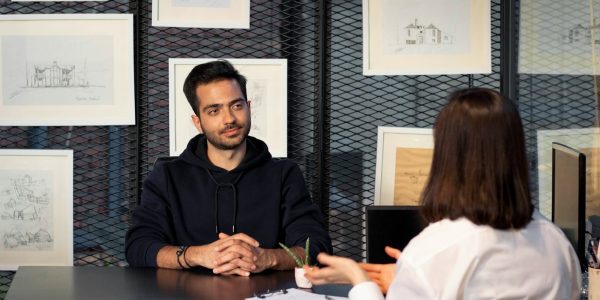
<point>460,260</point>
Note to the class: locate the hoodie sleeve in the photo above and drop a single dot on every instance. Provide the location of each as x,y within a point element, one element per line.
<point>301,217</point>
<point>150,225</point>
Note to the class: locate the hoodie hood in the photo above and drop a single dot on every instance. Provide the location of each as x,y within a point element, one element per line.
<point>257,153</point>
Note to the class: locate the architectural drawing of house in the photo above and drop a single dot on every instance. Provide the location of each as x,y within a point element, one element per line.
<point>418,34</point>
<point>582,35</point>
<point>55,75</point>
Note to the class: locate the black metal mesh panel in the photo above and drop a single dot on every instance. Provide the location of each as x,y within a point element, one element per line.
<point>105,158</point>
<point>358,104</point>
<point>5,279</point>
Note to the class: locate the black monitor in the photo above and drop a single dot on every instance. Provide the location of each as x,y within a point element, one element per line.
<point>391,226</point>
<point>568,195</point>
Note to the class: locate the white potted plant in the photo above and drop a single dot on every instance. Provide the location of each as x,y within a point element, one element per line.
<point>301,281</point>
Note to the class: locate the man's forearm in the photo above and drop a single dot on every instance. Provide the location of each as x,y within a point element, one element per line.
<point>167,257</point>
<point>195,256</point>
<point>281,260</point>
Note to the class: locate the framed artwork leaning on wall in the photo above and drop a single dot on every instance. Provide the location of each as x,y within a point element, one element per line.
<point>403,161</point>
<point>36,208</point>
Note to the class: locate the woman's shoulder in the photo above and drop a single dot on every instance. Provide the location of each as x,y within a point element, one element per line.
<point>441,236</point>
<point>542,228</point>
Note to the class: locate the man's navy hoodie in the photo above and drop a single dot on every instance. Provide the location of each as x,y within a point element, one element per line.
<point>188,200</point>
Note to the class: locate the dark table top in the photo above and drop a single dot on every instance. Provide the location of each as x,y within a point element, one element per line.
<point>147,283</point>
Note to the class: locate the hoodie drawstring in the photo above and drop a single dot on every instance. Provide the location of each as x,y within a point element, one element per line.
<point>216,199</point>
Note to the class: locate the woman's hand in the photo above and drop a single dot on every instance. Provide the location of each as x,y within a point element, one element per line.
<point>382,274</point>
<point>335,269</point>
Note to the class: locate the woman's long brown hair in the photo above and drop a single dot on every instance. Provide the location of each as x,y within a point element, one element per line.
<point>479,168</point>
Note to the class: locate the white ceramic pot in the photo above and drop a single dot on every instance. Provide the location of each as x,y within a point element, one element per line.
<point>301,281</point>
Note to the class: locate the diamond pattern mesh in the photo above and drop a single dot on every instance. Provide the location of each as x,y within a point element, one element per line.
<point>111,161</point>
<point>105,161</point>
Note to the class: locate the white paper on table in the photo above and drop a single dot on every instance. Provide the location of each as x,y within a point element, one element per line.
<point>297,294</point>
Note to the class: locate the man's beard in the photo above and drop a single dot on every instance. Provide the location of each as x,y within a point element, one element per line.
<point>224,143</point>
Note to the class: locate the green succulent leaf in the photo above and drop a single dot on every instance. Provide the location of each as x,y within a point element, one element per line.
<point>306,252</point>
<point>290,253</point>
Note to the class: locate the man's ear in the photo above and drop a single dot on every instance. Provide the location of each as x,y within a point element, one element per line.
<point>249,102</point>
<point>196,121</point>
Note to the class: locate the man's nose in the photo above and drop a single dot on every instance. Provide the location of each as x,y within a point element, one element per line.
<point>228,116</point>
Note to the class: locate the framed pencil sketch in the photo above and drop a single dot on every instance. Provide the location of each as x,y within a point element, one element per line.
<point>267,92</point>
<point>36,208</point>
<point>426,37</point>
<point>201,13</point>
<point>403,161</point>
<point>66,69</point>
<point>586,140</point>
<point>559,37</point>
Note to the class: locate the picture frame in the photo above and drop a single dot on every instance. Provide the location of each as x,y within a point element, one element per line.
<point>58,0</point>
<point>201,13</point>
<point>415,37</point>
<point>36,208</point>
<point>267,92</point>
<point>66,70</point>
<point>586,140</point>
<point>400,181</point>
<point>558,37</point>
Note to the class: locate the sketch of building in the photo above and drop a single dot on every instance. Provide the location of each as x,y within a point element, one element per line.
<point>26,199</point>
<point>24,190</point>
<point>57,70</point>
<point>56,75</point>
<point>582,35</point>
<point>418,34</point>
<point>26,210</point>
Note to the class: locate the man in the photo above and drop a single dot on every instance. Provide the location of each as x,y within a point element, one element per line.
<point>224,203</point>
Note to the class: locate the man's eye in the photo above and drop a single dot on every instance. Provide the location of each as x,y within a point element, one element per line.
<point>212,112</point>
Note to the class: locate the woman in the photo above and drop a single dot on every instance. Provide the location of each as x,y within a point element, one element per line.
<point>484,240</point>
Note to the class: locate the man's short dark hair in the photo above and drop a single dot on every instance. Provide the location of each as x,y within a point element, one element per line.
<point>479,168</point>
<point>207,73</point>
